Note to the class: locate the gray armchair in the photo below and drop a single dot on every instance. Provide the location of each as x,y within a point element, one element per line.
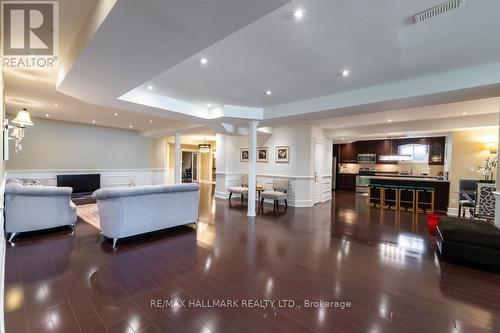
<point>30,208</point>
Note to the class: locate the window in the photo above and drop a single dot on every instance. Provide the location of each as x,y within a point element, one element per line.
<point>414,153</point>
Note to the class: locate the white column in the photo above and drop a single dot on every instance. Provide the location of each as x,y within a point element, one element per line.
<point>252,166</point>
<point>178,158</point>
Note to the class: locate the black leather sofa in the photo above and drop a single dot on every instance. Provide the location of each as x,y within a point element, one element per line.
<point>470,241</point>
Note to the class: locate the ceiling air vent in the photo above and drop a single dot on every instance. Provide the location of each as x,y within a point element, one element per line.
<point>438,10</point>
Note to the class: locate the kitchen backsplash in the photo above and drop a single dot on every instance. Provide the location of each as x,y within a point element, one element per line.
<point>432,170</point>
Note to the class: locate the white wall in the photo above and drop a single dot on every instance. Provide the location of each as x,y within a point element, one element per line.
<point>62,145</point>
<point>299,170</point>
<point>2,187</point>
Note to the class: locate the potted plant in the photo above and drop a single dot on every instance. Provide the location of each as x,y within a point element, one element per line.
<point>487,170</point>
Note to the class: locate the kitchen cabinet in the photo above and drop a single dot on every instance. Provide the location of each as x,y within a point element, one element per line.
<point>348,152</point>
<point>386,147</point>
<point>346,182</point>
<point>436,151</point>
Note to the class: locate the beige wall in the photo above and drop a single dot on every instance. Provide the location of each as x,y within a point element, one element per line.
<point>53,144</point>
<point>467,155</point>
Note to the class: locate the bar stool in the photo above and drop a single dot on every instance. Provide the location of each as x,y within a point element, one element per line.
<point>391,196</point>
<point>376,195</point>
<point>407,197</point>
<point>421,192</point>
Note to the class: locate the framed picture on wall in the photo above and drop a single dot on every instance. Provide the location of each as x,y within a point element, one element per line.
<point>262,154</point>
<point>244,155</point>
<point>282,154</point>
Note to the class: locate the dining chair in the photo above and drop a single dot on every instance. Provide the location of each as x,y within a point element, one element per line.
<point>466,190</point>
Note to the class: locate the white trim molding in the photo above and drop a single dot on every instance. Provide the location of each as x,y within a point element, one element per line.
<point>269,175</point>
<point>109,177</point>
<point>452,211</point>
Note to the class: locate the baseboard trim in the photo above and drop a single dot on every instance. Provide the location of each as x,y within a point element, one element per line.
<point>221,195</point>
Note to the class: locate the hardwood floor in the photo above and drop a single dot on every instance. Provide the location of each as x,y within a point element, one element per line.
<point>381,262</point>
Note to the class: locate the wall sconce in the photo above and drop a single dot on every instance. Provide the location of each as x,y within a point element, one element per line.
<point>17,134</point>
<point>492,147</point>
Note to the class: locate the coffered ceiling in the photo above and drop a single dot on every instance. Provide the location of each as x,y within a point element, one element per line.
<point>143,60</point>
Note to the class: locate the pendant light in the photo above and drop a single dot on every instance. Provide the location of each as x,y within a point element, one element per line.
<point>204,147</point>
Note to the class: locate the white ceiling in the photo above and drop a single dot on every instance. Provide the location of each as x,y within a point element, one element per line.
<point>252,46</point>
<point>301,60</point>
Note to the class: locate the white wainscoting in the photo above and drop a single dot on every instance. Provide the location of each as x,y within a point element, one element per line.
<point>326,188</point>
<point>299,193</point>
<point>109,177</point>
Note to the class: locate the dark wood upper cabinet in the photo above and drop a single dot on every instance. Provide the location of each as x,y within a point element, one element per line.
<point>436,151</point>
<point>348,152</point>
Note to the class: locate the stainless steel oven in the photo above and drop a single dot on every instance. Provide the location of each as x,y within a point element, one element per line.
<point>367,158</point>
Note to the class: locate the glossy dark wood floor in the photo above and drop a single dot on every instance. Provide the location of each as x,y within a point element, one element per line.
<point>382,262</point>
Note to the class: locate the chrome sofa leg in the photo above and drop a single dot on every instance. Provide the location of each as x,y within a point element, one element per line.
<point>11,237</point>
<point>114,242</point>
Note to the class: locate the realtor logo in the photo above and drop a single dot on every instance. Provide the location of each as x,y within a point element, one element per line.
<point>30,33</point>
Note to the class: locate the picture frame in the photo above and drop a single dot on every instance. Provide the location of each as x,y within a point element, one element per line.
<point>244,155</point>
<point>262,154</point>
<point>282,154</point>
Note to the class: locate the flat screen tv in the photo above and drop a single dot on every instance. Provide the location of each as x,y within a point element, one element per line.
<point>81,184</point>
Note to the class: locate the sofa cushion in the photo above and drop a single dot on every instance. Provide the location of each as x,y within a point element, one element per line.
<point>469,232</point>
<point>275,195</point>
<point>109,193</point>
<point>17,189</point>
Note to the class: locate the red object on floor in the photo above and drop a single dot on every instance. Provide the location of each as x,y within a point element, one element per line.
<point>432,222</point>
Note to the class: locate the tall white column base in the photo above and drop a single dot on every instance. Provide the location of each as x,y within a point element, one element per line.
<point>252,166</point>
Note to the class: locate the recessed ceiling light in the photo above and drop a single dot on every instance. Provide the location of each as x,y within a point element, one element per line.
<point>47,115</point>
<point>209,105</point>
<point>464,113</point>
<point>150,87</point>
<point>389,120</point>
<point>268,92</point>
<point>203,61</point>
<point>93,121</point>
<point>150,120</point>
<point>345,73</point>
<point>56,105</point>
<point>341,125</point>
<point>343,139</point>
<point>298,13</point>
<point>131,126</point>
<point>115,114</point>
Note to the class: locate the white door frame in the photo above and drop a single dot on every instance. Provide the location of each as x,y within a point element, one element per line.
<point>197,164</point>
<point>317,169</point>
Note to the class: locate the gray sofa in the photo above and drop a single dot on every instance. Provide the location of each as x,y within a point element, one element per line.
<point>34,207</point>
<point>130,211</point>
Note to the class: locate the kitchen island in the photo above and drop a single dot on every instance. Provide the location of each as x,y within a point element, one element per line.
<point>441,187</point>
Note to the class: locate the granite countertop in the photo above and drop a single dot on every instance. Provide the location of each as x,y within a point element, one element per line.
<point>418,178</point>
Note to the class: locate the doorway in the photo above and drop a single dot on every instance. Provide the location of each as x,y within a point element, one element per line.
<point>190,167</point>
